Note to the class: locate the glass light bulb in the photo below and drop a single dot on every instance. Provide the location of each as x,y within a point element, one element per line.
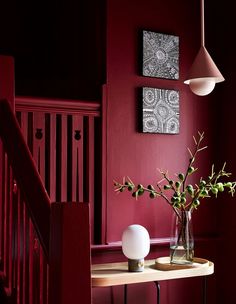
<point>202,86</point>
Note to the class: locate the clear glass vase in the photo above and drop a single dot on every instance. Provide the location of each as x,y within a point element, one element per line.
<point>181,239</point>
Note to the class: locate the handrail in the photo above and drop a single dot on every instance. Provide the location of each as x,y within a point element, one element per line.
<point>58,105</point>
<point>26,174</point>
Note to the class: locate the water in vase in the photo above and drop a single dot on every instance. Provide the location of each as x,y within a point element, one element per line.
<point>181,255</point>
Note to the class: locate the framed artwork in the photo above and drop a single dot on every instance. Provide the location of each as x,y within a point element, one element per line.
<point>160,55</point>
<point>160,111</point>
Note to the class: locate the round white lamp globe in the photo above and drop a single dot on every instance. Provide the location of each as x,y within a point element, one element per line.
<point>135,246</point>
<point>202,86</point>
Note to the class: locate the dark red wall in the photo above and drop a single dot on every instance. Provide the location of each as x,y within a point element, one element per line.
<point>7,81</point>
<point>138,155</point>
<point>224,107</point>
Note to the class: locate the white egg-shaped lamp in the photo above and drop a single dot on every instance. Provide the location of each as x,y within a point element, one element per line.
<point>135,246</point>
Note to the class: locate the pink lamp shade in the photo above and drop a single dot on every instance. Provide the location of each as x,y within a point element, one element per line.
<point>203,74</point>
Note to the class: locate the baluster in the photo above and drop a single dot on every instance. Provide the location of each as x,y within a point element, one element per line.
<point>77,159</point>
<point>53,155</point>
<point>63,160</point>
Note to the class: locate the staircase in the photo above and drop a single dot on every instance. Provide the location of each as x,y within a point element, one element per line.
<point>47,200</point>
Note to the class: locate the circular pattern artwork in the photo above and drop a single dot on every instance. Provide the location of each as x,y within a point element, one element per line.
<point>160,111</point>
<point>160,55</point>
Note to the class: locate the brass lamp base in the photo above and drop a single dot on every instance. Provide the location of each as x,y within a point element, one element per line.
<point>136,265</point>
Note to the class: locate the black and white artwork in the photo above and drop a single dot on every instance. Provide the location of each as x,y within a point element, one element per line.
<point>160,55</point>
<point>160,111</point>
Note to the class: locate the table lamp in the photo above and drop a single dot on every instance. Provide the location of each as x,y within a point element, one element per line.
<point>135,246</point>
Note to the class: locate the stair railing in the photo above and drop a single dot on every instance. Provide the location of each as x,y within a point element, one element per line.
<point>59,231</point>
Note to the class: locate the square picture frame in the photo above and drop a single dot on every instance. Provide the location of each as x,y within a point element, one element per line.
<point>160,111</point>
<point>160,55</point>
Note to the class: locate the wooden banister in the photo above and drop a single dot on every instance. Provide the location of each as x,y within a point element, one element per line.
<point>58,106</point>
<point>46,246</point>
<point>26,174</point>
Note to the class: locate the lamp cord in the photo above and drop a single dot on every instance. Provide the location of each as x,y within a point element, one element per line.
<point>202,24</point>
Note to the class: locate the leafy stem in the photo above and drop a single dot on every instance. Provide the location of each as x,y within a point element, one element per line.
<point>177,193</point>
<point>190,169</point>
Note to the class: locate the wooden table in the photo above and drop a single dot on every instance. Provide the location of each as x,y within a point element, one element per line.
<point>112,274</point>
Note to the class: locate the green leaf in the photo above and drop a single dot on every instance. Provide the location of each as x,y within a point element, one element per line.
<point>177,184</point>
<point>190,170</point>
<point>152,195</point>
<point>181,176</point>
<point>140,191</point>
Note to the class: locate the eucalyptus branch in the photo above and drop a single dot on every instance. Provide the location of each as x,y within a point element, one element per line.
<point>184,197</point>
<point>190,169</point>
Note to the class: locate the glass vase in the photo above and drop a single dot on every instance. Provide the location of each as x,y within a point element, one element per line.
<point>181,239</point>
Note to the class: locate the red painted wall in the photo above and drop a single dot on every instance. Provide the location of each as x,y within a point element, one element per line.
<point>138,155</point>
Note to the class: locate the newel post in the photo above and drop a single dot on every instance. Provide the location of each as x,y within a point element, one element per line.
<point>70,256</point>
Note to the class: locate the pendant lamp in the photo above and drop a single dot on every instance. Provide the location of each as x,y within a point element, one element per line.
<point>203,74</point>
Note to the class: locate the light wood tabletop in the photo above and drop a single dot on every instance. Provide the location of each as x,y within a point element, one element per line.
<point>112,274</point>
